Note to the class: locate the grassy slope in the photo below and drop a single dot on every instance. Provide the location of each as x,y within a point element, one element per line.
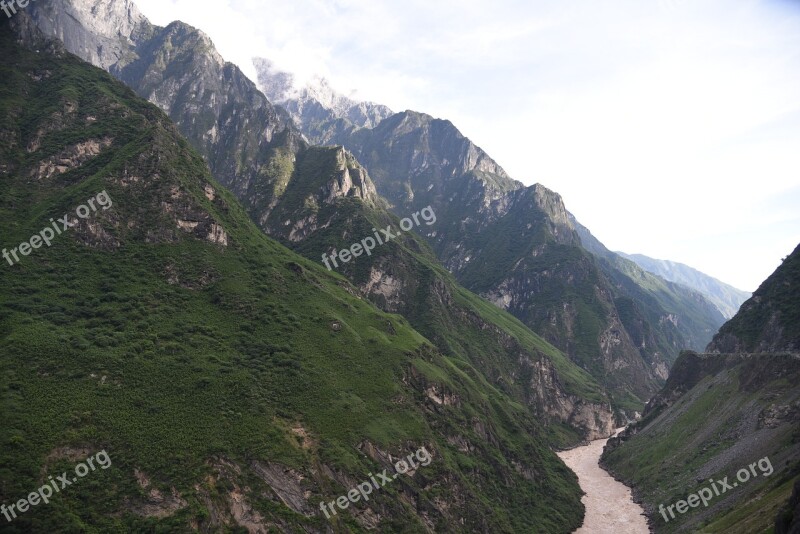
<point>100,350</point>
<point>718,413</point>
<point>698,319</point>
<point>712,431</point>
<point>457,321</point>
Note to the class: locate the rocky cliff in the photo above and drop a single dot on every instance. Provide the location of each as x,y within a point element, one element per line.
<point>177,68</point>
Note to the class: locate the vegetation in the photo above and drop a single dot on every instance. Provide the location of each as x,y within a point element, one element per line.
<point>771,319</point>
<point>179,356</point>
<point>710,429</point>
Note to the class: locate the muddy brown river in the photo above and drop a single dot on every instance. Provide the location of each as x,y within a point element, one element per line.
<point>609,505</point>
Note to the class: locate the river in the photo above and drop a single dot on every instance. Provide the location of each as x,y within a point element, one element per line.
<point>609,505</point>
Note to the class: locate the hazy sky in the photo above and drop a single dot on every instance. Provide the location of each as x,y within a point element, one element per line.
<point>670,127</point>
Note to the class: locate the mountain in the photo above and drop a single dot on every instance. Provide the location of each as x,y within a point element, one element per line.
<point>518,247</point>
<point>327,210</point>
<point>252,148</point>
<point>416,161</point>
<point>294,191</point>
<point>721,413</point>
<point>316,106</point>
<point>696,322</point>
<point>233,384</point>
<point>726,298</point>
<point>216,106</point>
<point>770,320</point>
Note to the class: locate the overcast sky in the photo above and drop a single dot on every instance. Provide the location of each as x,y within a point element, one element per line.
<point>670,127</point>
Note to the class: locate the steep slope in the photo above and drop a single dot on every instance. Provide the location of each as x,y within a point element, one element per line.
<point>718,415</point>
<point>233,384</point>
<point>622,326</point>
<point>770,320</point>
<point>518,247</point>
<point>725,297</point>
<point>416,161</point>
<point>335,206</point>
<point>103,33</point>
<point>216,106</point>
<point>295,192</point>
<point>688,319</point>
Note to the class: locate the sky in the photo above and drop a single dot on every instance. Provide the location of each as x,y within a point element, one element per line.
<point>671,128</point>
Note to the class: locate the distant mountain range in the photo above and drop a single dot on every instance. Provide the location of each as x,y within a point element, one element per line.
<point>316,103</point>
<point>726,298</point>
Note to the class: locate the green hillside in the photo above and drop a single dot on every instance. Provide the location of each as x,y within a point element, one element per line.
<point>200,354</point>
<point>718,414</point>
<point>404,276</point>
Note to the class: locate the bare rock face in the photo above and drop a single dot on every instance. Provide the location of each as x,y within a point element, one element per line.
<point>102,32</point>
<point>157,503</point>
<point>70,158</point>
<point>349,180</point>
<point>286,483</point>
<point>596,420</point>
<point>214,104</point>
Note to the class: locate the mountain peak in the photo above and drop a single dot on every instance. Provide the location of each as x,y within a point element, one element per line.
<point>278,86</point>
<point>99,30</point>
<point>317,101</point>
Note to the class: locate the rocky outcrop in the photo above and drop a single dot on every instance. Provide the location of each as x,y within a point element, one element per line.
<point>286,483</point>
<point>69,158</point>
<point>156,503</point>
<point>103,32</point>
<point>350,180</point>
<point>595,420</point>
